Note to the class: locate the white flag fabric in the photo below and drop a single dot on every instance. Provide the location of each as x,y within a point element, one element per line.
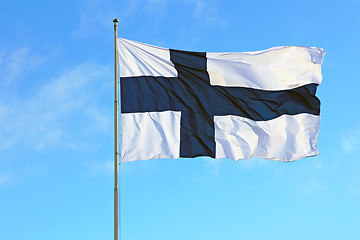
<point>223,105</point>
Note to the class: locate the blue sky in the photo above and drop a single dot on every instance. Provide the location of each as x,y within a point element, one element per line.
<point>56,125</point>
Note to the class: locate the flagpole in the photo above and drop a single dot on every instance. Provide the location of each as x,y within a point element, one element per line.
<point>116,137</point>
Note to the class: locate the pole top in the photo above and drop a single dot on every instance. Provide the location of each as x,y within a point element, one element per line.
<point>115,20</point>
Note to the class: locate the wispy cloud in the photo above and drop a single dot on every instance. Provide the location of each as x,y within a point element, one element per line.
<point>97,168</point>
<point>18,61</point>
<point>94,16</point>
<point>101,121</point>
<point>2,54</point>
<point>59,111</point>
<point>312,185</point>
<point>97,15</point>
<point>157,8</point>
<point>214,165</point>
<point>351,141</point>
<point>4,179</point>
<point>208,11</point>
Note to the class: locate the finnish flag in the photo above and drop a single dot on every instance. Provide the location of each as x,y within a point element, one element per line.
<point>222,105</point>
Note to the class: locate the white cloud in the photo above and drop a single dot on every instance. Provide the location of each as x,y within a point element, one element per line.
<point>351,141</point>
<point>4,179</point>
<point>101,121</point>
<point>214,165</point>
<point>156,7</point>
<point>97,15</point>
<point>312,185</point>
<point>17,62</point>
<point>2,54</point>
<point>106,167</point>
<point>124,13</point>
<point>59,111</point>
<point>208,11</point>
<point>199,5</point>
<point>93,17</point>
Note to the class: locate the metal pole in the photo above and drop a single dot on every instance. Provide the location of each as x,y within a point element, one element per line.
<point>116,145</point>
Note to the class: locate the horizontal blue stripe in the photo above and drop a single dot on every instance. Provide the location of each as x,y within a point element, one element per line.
<point>151,94</point>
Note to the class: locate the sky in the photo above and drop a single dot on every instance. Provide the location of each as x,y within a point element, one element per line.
<point>56,125</point>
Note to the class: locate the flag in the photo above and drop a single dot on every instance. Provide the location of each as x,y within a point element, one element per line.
<point>233,105</point>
